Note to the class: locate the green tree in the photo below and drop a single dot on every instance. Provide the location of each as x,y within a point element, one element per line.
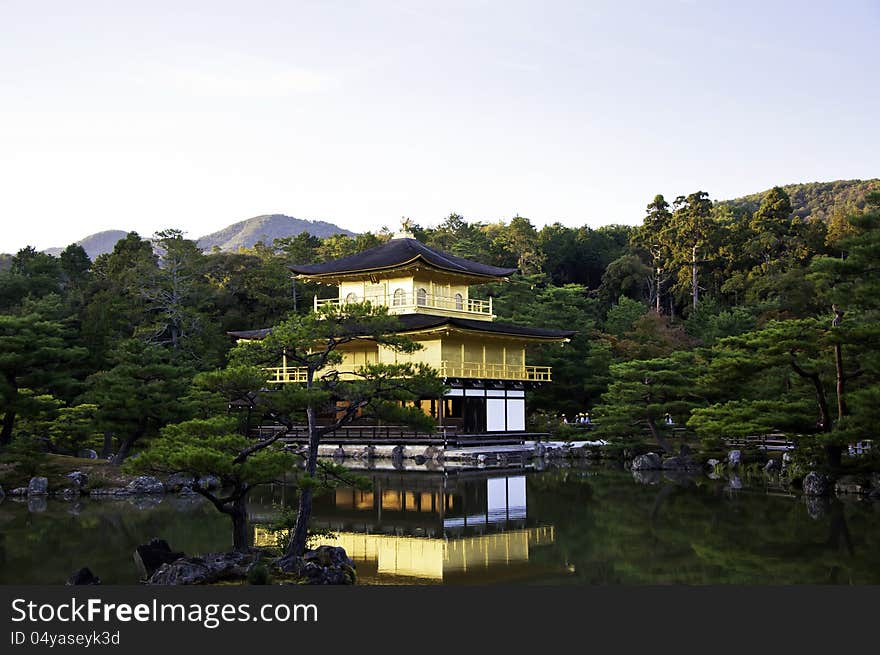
<point>642,392</point>
<point>140,394</point>
<point>312,343</point>
<point>34,355</point>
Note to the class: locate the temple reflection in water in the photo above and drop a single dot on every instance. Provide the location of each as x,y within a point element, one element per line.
<point>423,526</point>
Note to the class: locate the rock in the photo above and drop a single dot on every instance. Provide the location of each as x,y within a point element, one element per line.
<point>816,506</point>
<point>646,476</point>
<point>324,565</point>
<point>420,459</point>
<point>328,556</point>
<point>815,484</point>
<point>209,482</point>
<point>207,569</point>
<point>37,504</point>
<point>540,450</point>
<point>87,453</point>
<point>771,465</point>
<point>684,463</point>
<point>83,577</point>
<point>853,484</point>
<point>734,457</point>
<point>786,459</point>
<point>19,491</point>
<point>38,487</point>
<point>179,482</point>
<point>647,462</point>
<point>149,557</point>
<point>79,479</point>
<point>712,463</point>
<point>145,484</point>
<point>339,453</point>
<point>734,482</point>
<point>68,493</point>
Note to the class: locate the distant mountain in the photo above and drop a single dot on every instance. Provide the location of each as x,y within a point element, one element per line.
<point>266,228</point>
<point>817,199</point>
<point>94,244</point>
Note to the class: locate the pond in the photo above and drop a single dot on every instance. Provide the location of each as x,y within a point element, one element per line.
<point>560,525</point>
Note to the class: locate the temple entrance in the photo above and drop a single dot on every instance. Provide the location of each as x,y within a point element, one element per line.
<point>474,415</point>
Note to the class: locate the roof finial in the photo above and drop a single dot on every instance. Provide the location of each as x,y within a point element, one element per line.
<point>405,231</point>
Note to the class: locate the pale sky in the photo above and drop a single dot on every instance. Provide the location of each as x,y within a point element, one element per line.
<point>146,115</point>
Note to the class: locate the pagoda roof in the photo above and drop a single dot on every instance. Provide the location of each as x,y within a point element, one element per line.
<point>398,253</point>
<point>425,322</point>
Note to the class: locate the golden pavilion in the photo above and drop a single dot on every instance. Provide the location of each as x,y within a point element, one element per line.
<point>483,361</point>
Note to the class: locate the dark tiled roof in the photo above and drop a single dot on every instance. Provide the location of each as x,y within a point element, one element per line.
<point>427,321</point>
<point>397,252</point>
<point>414,322</point>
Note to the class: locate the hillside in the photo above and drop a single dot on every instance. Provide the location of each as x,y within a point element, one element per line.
<point>95,244</point>
<point>266,228</point>
<point>817,199</point>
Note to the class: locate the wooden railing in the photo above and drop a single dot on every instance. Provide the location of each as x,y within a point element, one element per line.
<point>406,303</point>
<point>479,370</point>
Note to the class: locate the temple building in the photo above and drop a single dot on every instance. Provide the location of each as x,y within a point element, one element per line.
<point>483,361</point>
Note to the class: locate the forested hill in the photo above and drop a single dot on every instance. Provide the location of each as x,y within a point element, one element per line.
<point>817,200</point>
<point>266,228</point>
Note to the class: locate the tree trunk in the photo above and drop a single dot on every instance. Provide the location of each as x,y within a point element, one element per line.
<point>8,423</point>
<point>696,287</point>
<point>241,537</point>
<point>297,545</point>
<point>821,400</point>
<point>124,449</point>
<point>107,449</point>
<point>659,438</point>
<point>838,365</point>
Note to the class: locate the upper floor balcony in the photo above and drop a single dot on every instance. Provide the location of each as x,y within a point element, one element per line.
<point>420,301</point>
<point>446,369</point>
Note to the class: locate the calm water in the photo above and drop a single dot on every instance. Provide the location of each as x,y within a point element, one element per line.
<point>557,526</point>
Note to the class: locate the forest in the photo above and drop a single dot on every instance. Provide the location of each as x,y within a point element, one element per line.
<point>735,318</point>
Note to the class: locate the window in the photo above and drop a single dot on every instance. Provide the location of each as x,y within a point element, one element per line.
<point>421,297</point>
<point>351,298</point>
<point>459,301</point>
<point>399,298</point>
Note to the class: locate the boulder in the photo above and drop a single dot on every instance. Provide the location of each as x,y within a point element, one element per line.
<point>83,577</point>
<point>179,482</point>
<point>209,482</point>
<point>339,453</point>
<point>87,453</point>
<point>853,484</point>
<point>328,556</point>
<point>78,479</point>
<point>145,484</point>
<point>771,466</point>
<point>324,565</point>
<point>150,556</point>
<point>646,476</point>
<point>786,460</point>
<point>38,487</point>
<point>647,462</point>
<point>712,463</point>
<point>681,463</point>
<point>19,491</point>
<point>37,504</point>
<point>734,457</point>
<point>207,569</point>
<point>815,484</point>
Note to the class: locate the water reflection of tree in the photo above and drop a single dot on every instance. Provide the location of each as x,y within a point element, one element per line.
<point>693,532</point>
<point>46,548</point>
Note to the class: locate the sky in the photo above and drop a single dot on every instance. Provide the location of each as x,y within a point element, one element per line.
<point>149,115</point>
